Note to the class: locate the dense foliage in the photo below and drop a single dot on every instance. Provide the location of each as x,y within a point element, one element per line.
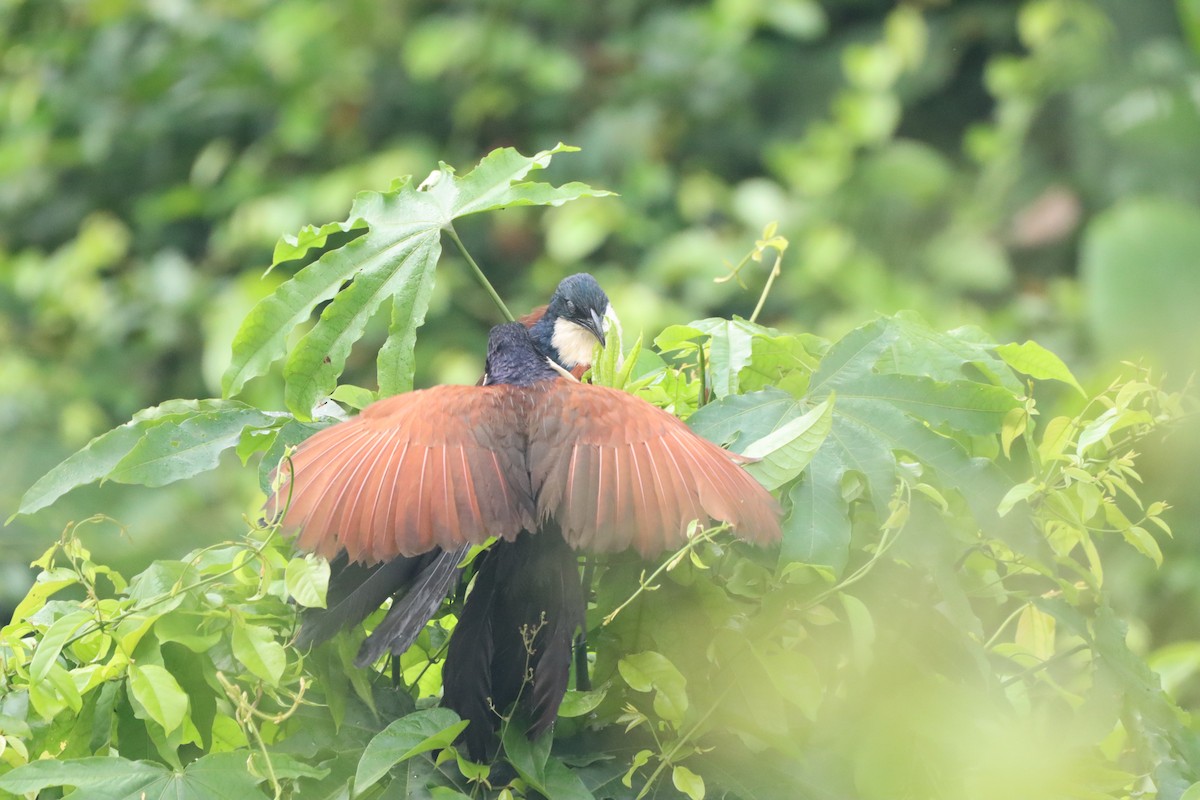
<point>1026,167</point>
<point>934,623</point>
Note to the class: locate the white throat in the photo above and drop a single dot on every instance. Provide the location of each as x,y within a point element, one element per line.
<point>575,343</point>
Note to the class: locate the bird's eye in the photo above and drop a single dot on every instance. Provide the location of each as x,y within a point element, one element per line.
<point>571,308</point>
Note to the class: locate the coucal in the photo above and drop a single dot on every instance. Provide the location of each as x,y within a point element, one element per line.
<point>565,330</point>
<point>546,464</point>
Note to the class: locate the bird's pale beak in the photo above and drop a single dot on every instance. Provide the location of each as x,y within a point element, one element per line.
<point>596,326</point>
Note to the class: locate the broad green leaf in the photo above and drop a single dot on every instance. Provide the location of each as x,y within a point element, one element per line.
<point>176,450</point>
<point>648,671</point>
<point>102,455</point>
<point>729,350</point>
<point>307,580</point>
<point>974,408</point>
<point>576,704</point>
<point>157,691</point>
<point>739,420</point>
<point>411,735</point>
<point>401,267</point>
<point>787,451</point>
<point>1038,363</point>
<point>195,631</point>
<point>393,260</point>
<point>687,782</point>
<point>817,531</point>
<point>562,783</point>
<point>219,776</point>
<point>946,356</point>
<point>256,648</point>
<point>528,758</point>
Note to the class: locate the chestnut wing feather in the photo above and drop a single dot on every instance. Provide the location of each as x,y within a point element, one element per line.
<point>440,467</point>
<point>615,471</point>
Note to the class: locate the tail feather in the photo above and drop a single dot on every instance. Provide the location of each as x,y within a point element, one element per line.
<point>417,585</point>
<point>514,638</point>
<point>410,613</point>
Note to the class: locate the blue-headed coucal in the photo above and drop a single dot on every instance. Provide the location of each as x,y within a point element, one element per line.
<point>565,330</point>
<point>547,465</point>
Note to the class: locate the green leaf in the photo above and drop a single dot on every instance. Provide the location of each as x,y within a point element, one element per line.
<point>1022,491</point>
<point>157,691</point>
<point>576,704</point>
<point>411,735</point>
<point>102,455</point>
<point>256,648</point>
<point>739,420</point>
<point>176,450</point>
<point>53,641</point>
<point>393,260</point>
<point>527,757</point>
<point>687,782</point>
<point>1038,363</point>
<point>648,671</point>
<point>219,776</point>
<point>787,451</point>
<point>973,408</point>
<point>817,531</point>
<point>307,580</point>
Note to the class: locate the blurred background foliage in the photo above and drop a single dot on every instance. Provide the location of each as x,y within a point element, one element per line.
<point>1029,167</point>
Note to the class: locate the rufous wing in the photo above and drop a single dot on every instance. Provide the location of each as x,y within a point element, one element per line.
<point>439,467</point>
<point>616,472</point>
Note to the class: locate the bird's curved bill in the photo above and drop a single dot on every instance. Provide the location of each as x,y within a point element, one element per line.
<point>596,325</point>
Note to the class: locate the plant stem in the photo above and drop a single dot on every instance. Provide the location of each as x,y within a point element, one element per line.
<point>479,276</point>
<point>775,272</point>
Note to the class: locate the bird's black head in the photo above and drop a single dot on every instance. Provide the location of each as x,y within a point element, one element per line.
<point>514,359</point>
<point>580,299</point>
<point>574,321</point>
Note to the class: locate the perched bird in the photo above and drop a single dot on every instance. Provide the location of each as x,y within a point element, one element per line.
<point>566,330</point>
<point>547,465</point>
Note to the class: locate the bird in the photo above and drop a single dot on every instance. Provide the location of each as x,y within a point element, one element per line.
<point>547,465</point>
<point>565,330</point>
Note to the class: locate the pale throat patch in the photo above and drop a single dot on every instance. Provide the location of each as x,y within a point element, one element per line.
<point>574,342</point>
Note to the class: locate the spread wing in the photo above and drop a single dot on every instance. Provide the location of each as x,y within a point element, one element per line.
<point>617,472</point>
<point>434,468</point>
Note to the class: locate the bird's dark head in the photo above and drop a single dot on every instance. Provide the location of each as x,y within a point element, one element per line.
<point>514,359</point>
<point>575,320</point>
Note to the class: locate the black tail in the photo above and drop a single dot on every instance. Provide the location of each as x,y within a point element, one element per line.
<point>513,640</point>
<point>417,585</point>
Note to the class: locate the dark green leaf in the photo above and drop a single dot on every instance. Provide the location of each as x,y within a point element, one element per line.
<point>220,776</point>
<point>406,737</point>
